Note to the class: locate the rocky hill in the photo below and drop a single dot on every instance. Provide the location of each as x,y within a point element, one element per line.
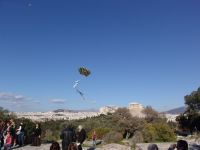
<point>178,110</point>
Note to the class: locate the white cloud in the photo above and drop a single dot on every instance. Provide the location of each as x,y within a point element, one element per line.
<point>16,102</point>
<point>12,98</point>
<point>57,101</point>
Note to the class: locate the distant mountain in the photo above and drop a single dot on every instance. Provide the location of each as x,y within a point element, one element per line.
<point>68,110</point>
<point>178,110</point>
<point>62,110</point>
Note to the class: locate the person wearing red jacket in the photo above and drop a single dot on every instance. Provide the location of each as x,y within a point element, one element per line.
<point>8,141</point>
<point>94,138</point>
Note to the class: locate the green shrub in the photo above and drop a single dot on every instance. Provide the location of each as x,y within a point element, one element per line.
<point>164,132</point>
<point>158,132</point>
<point>149,133</point>
<point>113,137</point>
<point>50,136</point>
<point>152,130</point>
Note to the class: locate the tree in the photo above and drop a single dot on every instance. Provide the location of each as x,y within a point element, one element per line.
<point>190,119</point>
<point>124,120</point>
<point>193,101</point>
<point>150,114</point>
<point>158,132</point>
<point>183,121</point>
<point>4,114</point>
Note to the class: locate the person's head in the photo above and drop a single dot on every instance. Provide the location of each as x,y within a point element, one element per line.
<point>72,146</point>
<point>8,123</point>
<point>182,145</point>
<point>8,133</point>
<point>173,146</point>
<point>80,127</point>
<point>69,127</point>
<point>152,147</point>
<point>66,125</point>
<point>55,146</point>
<point>37,125</point>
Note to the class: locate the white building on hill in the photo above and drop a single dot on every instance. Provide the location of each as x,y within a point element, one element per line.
<point>136,109</point>
<point>108,109</point>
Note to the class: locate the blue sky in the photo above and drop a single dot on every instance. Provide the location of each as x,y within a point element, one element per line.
<point>138,51</point>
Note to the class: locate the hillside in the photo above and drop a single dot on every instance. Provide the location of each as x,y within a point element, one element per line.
<point>178,110</point>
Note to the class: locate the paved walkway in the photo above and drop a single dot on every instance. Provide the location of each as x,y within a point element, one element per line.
<point>47,147</point>
<point>165,146</point>
<point>113,146</point>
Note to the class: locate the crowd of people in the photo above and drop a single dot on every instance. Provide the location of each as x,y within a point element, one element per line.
<point>71,139</point>
<point>12,134</point>
<point>181,145</point>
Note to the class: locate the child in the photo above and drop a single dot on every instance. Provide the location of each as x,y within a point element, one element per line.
<point>94,138</point>
<point>8,141</point>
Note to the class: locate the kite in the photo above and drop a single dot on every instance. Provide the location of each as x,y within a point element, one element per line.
<point>83,71</point>
<point>76,84</point>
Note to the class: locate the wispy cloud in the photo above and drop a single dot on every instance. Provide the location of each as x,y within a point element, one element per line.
<point>17,102</point>
<point>12,98</point>
<point>57,101</point>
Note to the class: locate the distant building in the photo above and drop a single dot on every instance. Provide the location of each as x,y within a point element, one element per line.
<point>171,117</point>
<point>135,106</point>
<point>136,109</point>
<point>44,116</point>
<point>108,109</point>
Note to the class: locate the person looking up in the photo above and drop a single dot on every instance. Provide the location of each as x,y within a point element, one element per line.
<point>81,136</point>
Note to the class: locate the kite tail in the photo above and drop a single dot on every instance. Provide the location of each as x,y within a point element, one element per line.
<point>81,93</point>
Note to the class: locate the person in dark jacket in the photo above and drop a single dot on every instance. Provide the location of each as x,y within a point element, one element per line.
<point>20,134</point>
<point>81,136</point>
<point>36,141</point>
<point>68,136</point>
<point>2,132</point>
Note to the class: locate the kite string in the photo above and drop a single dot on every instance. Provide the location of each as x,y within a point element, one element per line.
<point>77,90</point>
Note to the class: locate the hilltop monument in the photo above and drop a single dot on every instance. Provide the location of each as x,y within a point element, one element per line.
<point>136,109</point>
<point>108,109</point>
